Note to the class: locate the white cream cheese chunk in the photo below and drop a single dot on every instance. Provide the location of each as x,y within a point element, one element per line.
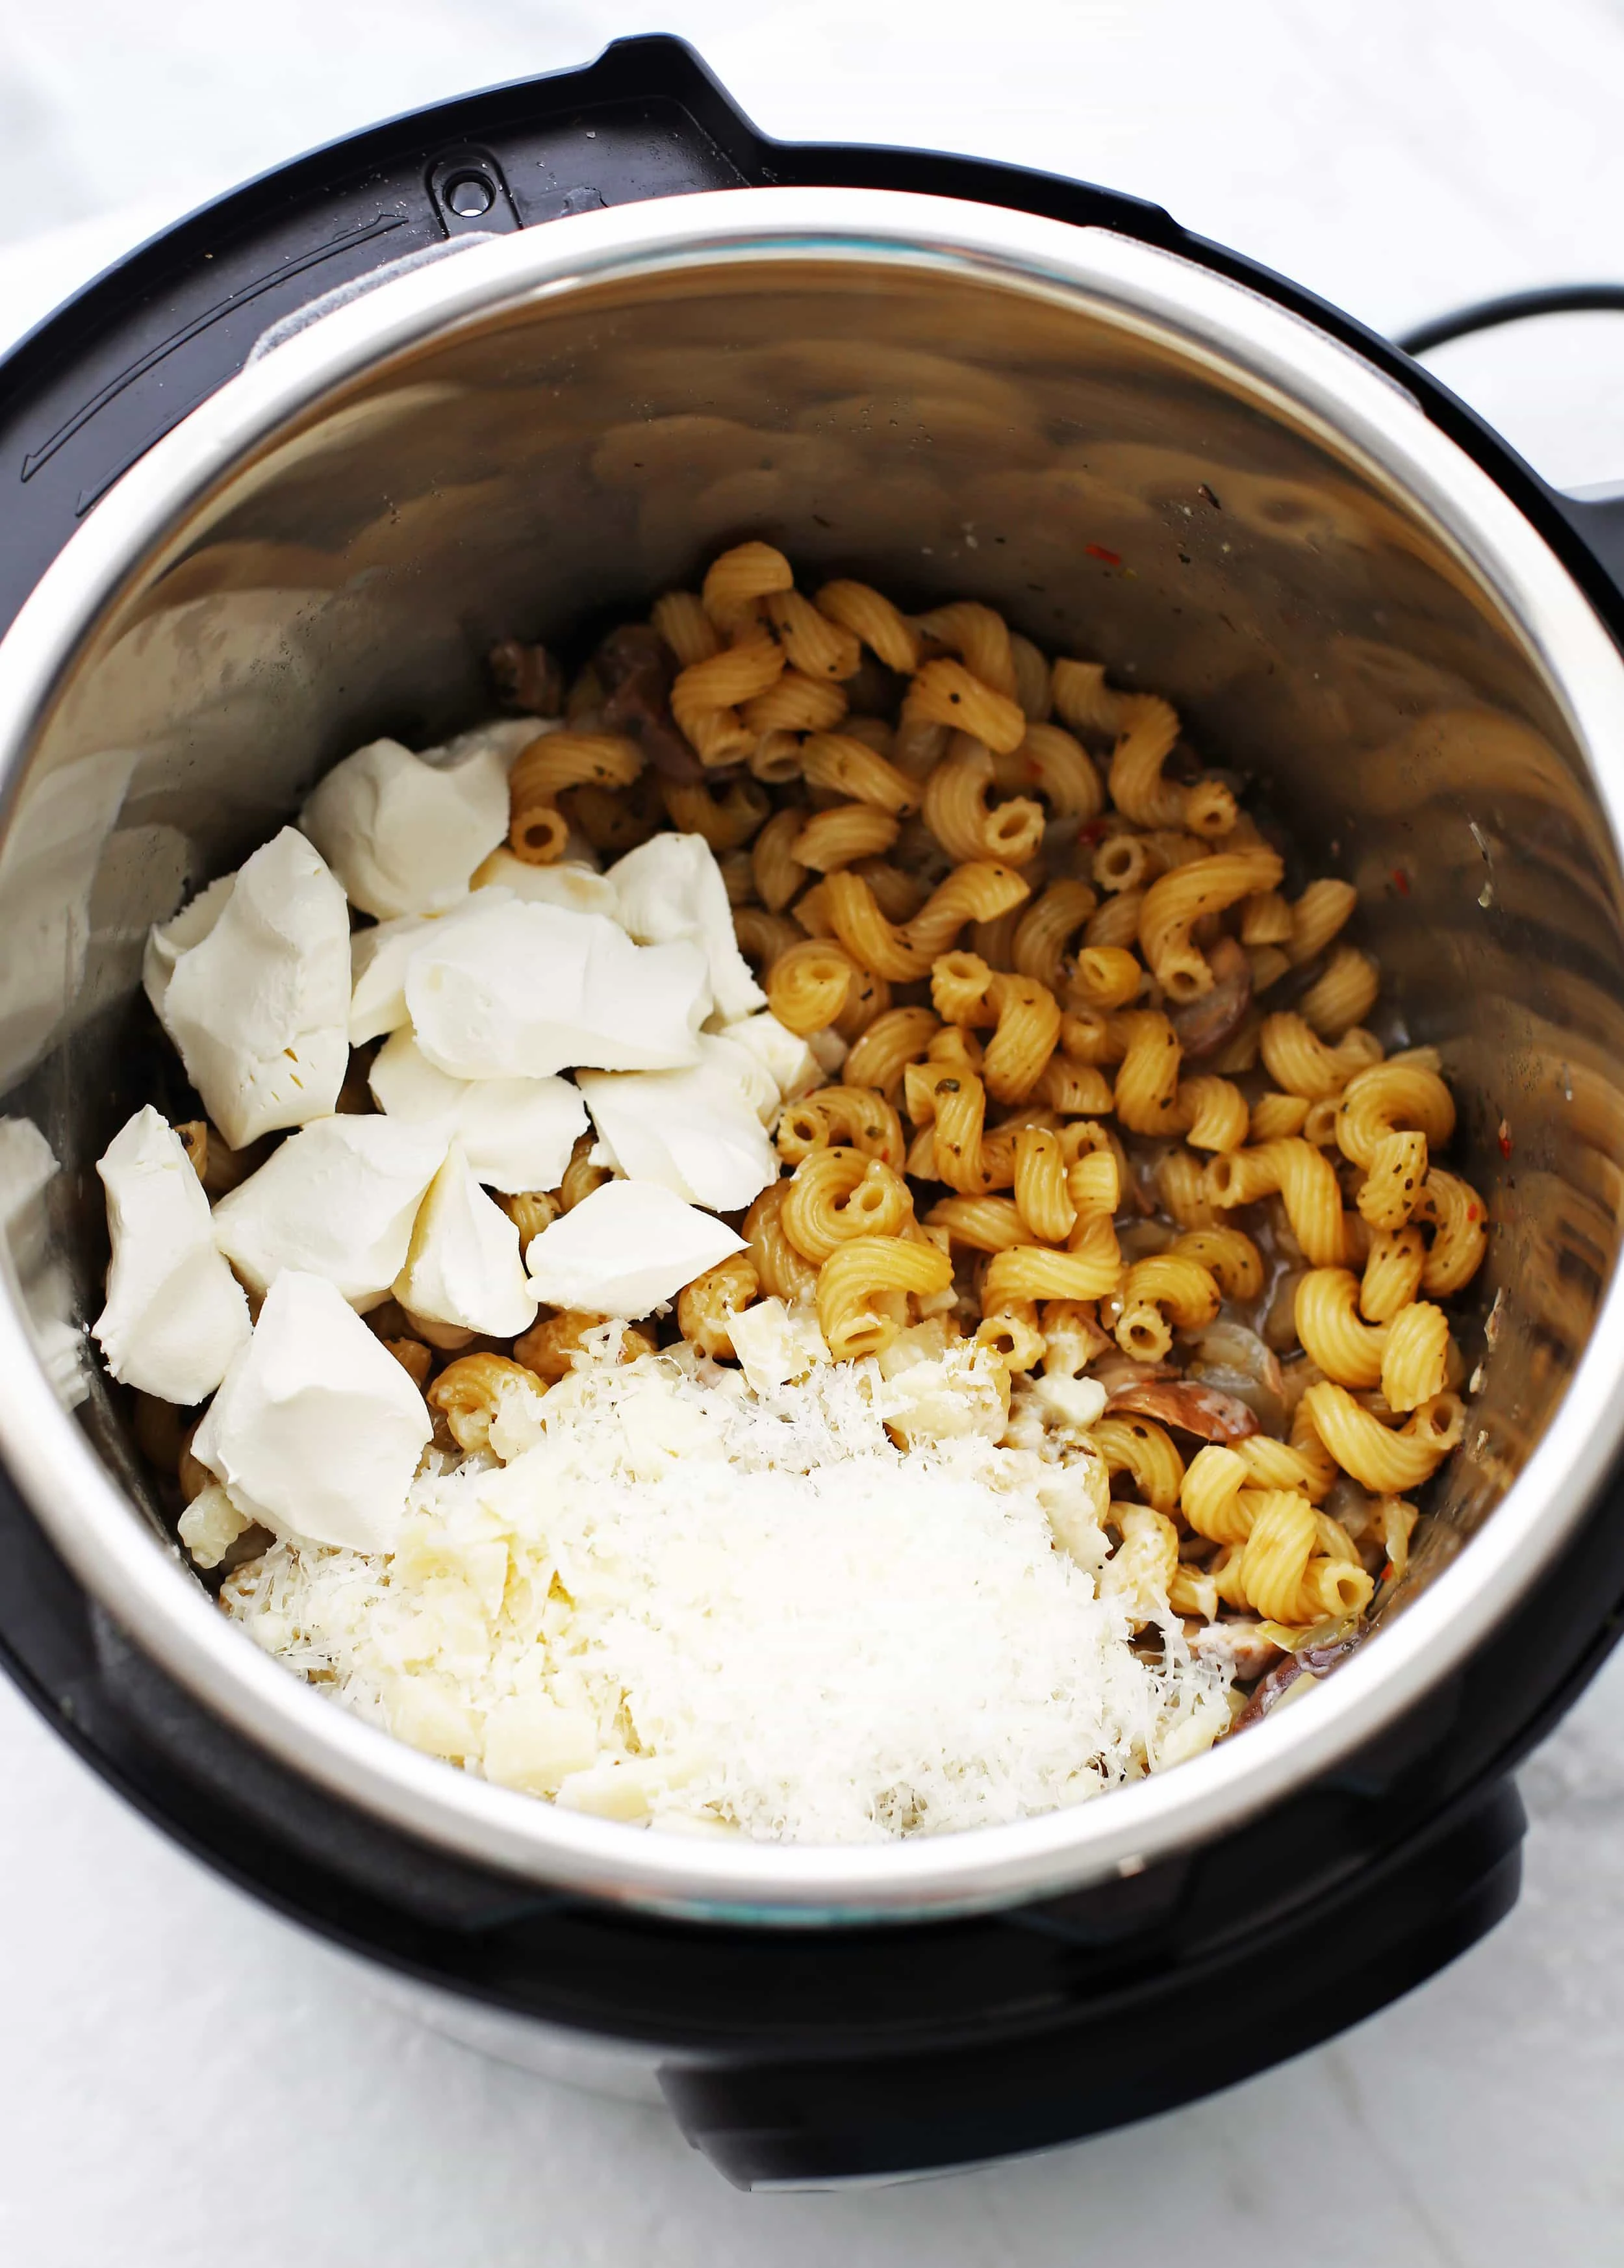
<point>337,1201</point>
<point>317,1431</point>
<point>697,1132</point>
<point>671,888</point>
<point>788,1066</point>
<point>380,957</point>
<point>251,982</point>
<point>516,1133</point>
<point>625,1250</point>
<point>775,1344</point>
<point>176,1315</point>
<point>404,833</point>
<point>579,889</point>
<point>463,1265</point>
<point>520,992</point>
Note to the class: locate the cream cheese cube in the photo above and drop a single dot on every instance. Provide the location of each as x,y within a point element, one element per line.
<point>625,1250</point>
<point>176,1315</point>
<point>787,1065</point>
<point>695,1132</point>
<point>463,1265</point>
<point>775,1344</point>
<point>337,1201</point>
<point>533,1744</point>
<point>516,1133</point>
<point>317,1431</point>
<point>671,888</point>
<point>379,958</point>
<point>520,992</point>
<point>404,833</point>
<point>251,982</point>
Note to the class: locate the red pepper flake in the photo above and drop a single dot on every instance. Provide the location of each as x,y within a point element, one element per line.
<point>1094,832</point>
<point>1099,551</point>
<point>1386,1574</point>
<point>1474,1212</point>
<point>1505,1139</point>
<point>1401,881</point>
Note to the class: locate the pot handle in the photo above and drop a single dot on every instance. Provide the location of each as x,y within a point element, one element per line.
<point>831,2123</point>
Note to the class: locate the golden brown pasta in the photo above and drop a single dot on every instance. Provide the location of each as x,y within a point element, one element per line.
<point>1165,1292</point>
<point>1343,994</point>
<point>1046,927</point>
<point>1459,1220</point>
<point>784,1274</point>
<point>778,874</point>
<point>1333,1335</point>
<point>706,1308</point>
<point>1189,894</point>
<point>975,892</point>
<point>1181,1185</point>
<point>1265,919</point>
<point>537,830</point>
<point>1307,1185</point>
<point>725,820</point>
<point>853,1283</point>
<point>1387,1462</point>
<point>817,645</point>
<point>1028,1272</point>
<point>980,639</point>
<point>775,758</point>
<point>808,985</point>
<point>840,761</point>
<point>1139,1572</point>
<point>835,1194</point>
<point>956,812</point>
<point>1298,1060</point>
<point>1144,1450</point>
<point>1274,1116</point>
<point>1325,907</point>
<point>943,692</point>
<point>795,703</point>
<point>1105,977</point>
<point>1392,1273</point>
<point>984,1224</point>
<point>870,616</point>
<point>681,619</point>
<point>843,833</point>
<point>1033,690</point>
<point>892,1042</point>
<point>1117,921</point>
<point>1147,1084</point>
<point>1415,1363</point>
<point>853,1116</point>
<point>1064,771</point>
<point>1041,1196</point>
<point>1215,1112</point>
<point>737,578</point>
<point>1228,1255</point>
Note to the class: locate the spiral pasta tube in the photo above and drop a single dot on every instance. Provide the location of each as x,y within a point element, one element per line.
<point>783,1272</point>
<point>1064,771</point>
<point>956,812</point>
<point>1041,1194</point>
<point>681,619</point>
<point>1279,1574</point>
<point>1105,977</point>
<point>1415,1361</point>
<point>870,617</point>
<point>849,765</point>
<point>893,1041</point>
<point>984,1224</point>
<point>1046,926</point>
<point>777,873</point>
<point>735,578</point>
<point>1274,1116</point>
<point>795,703</point>
<point>810,983</point>
<point>976,892</point>
<point>1298,1060</point>
<point>1093,1180</point>
<point>943,692</point>
<point>835,1194</point>
<point>1228,1255</point>
<point>1144,1451</point>
<point>1033,688</point>
<point>706,1308</point>
<point>1391,1189</point>
<point>1388,1463</point>
<point>1459,1220</point>
<point>725,820</point>
<point>1147,1084</point>
<point>1073,1087</point>
<point>979,636</point>
<point>1343,994</point>
<point>842,835</point>
<point>1388,1099</point>
<point>1325,907</point>
<point>704,698</point>
<point>817,646</point>
<point>1117,921</point>
<point>1307,1184</point>
<point>853,1311</point>
<point>1181,1185</point>
<point>1215,1114</point>
<point>1081,696</point>
<point>1173,905</point>
<point>1166,1292</point>
<point>537,830</point>
<point>1393,1272</point>
<point>1332,1336</point>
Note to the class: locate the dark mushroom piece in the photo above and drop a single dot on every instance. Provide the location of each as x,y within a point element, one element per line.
<point>1204,1025</point>
<point>637,668</point>
<point>1198,1410</point>
<point>527,678</point>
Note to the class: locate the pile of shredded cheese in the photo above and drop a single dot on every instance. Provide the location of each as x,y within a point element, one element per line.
<point>684,1602</point>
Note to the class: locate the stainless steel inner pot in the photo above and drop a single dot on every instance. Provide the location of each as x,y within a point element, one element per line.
<point>1137,461</point>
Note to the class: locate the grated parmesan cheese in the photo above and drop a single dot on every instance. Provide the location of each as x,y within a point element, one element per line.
<point>686,1602</point>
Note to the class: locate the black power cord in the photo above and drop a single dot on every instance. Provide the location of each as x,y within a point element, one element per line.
<point>1513,307</point>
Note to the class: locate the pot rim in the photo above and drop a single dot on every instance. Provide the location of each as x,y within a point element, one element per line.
<point>1274,356</point>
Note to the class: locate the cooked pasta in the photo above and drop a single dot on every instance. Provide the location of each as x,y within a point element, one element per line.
<point>1143,1450</point>
<point>979,638</point>
<point>1344,993</point>
<point>956,812</point>
<point>537,831</point>
<point>1459,1220</point>
<point>1324,910</point>
<point>870,617</point>
<point>1416,1362</point>
<point>1033,688</point>
<point>836,1194</point>
<point>1216,1114</point>
<point>817,646</point>
<point>1147,1085</point>
<point>1334,1338</point>
<point>1064,771</point>
<point>893,1041</point>
<point>943,692</point>
<point>843,762</point>
<point>854,1285</point>
<point>706,1308</point>
<point>1191,893</point>
<point>783,1272</point>
<point>1307,1184</point>
<point>1041,1192</point>
<point>795,703</point>
<point>1300,1062</point>
<point>843,833</point>
<point>736,579</point>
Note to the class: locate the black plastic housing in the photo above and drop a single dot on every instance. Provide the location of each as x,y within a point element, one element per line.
<point>789,2055</point>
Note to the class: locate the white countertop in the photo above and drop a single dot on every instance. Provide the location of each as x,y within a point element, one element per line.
<point>185,2080</point>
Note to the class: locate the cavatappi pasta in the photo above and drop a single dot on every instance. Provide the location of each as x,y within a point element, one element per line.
<point>1102,1090</point>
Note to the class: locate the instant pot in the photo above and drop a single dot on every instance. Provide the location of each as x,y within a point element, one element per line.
<point>508,367</point>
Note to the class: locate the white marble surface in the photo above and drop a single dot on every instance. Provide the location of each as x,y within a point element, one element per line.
<point>184,2081</point>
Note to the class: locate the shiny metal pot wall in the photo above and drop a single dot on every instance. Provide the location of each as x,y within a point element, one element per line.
<point>1136,460</point>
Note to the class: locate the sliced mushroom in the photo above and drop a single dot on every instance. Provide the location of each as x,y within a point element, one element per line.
<point>1199,1409</point>
<point>635,668</point>
<point>1243,1646</point>
<point>1117,1371</point>
<point>527,678</point>
<point>1205,1024</point>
